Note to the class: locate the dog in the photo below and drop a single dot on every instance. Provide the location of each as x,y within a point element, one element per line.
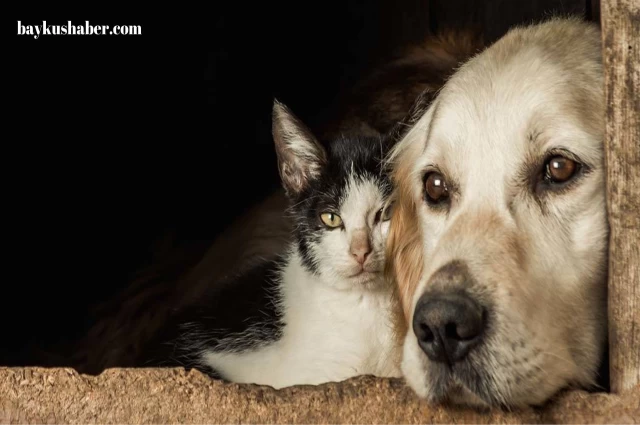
<point>498,241</point>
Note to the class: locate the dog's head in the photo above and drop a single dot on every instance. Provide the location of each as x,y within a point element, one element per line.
<point>498,241</point>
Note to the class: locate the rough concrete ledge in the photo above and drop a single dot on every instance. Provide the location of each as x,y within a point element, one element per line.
<point>38,395</point>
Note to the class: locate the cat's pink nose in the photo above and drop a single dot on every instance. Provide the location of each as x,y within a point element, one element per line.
<point>360,247</point>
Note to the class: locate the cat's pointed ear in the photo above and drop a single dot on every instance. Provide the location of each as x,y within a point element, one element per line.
<point>300,156</point>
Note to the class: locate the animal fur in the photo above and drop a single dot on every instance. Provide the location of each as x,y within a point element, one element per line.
<point>322,312</point>
<point>378,105</point>
<point>535,251</point>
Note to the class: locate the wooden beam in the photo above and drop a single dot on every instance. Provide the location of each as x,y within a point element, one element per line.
<point>500,15</point>
<point>493,18</point>
<point>620,21</point>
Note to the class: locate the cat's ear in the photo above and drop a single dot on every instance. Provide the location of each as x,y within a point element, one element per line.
<point>300,156</point>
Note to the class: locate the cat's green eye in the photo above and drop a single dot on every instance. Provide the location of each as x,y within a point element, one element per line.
<point>331,220</point>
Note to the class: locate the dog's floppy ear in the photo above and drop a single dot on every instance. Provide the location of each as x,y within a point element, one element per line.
<point>300,155</point>
<point>417,110</point>
<point>404,263</point>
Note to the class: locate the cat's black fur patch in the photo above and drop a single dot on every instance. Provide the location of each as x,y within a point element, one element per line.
<point>358,156</point>
<point>233,309</point>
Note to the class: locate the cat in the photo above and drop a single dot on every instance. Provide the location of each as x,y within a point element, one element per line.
<point>322,311</point>
<point>130,323</point>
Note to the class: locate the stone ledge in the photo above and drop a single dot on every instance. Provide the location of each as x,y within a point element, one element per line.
<point>39,395</point>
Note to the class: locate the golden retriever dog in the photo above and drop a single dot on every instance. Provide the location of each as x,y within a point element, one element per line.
<point>498,243</point>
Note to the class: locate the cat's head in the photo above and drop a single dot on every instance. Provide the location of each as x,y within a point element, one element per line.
<point>338,192</point>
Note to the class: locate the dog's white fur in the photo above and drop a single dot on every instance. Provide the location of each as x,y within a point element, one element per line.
<point>538,258</point>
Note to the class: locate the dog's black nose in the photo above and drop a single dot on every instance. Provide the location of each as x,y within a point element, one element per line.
<point>448,325</point>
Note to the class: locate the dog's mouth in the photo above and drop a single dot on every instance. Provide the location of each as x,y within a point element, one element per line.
<point>485,380</point>
<point>461,384</point>
<point>460,395</point>
<point>467,385</point>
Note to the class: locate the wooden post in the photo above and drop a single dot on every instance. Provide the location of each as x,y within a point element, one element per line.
<point>620,21</point>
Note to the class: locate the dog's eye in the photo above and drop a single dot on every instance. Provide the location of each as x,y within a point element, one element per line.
<point>559,169</point>
<point>435,187</point>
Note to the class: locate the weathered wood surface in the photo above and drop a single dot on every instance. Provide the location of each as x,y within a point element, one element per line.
<point>493,18</point>
<point>161,396</point>
<point>621,48</point>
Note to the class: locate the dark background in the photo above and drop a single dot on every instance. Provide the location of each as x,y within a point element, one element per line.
<point>110,142</point>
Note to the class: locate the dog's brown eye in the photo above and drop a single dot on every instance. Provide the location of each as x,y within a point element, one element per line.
<point>560,169</point>
<point>436,187</point>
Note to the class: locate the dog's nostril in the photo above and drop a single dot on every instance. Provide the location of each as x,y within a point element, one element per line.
<point>448,326</point>
<point>451,331</point>
<point>427,335</point>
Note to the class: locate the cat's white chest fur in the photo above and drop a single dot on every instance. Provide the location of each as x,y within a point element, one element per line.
<point>329,335</point>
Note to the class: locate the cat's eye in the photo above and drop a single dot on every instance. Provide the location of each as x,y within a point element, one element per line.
<point>331,220</point>
<point>560,169</point>
<point>435,188</point>
<point>384,213</point>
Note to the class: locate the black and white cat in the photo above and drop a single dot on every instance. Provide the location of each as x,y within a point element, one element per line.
<point>323,312</point>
